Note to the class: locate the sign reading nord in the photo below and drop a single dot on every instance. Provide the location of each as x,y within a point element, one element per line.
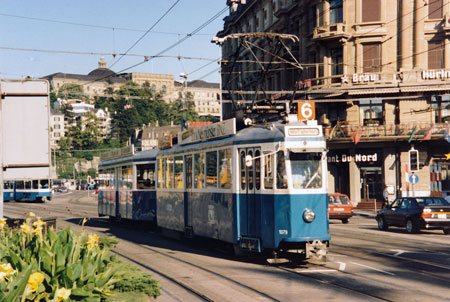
<point>344,158</point>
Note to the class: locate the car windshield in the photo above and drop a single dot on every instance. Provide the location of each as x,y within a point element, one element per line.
<point>338,199</point>
<point>432,201</point>
<point>306,170</point>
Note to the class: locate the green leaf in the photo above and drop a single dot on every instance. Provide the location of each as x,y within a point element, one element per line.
<point>18,285</point>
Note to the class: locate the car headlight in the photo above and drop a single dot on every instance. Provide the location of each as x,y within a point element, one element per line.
<point>427,210</point>
<point>309,215</point>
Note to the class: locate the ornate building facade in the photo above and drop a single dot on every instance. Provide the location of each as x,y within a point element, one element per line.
<point>378,72</point>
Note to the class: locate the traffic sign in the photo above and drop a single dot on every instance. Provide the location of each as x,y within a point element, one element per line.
<point>414,178</point>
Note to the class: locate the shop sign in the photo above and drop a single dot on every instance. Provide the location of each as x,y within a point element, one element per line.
<point>435,74</point>
<point>344,158</point>
<point>361,78</point>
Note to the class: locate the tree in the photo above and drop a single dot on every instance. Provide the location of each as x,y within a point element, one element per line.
<point>71,91</point>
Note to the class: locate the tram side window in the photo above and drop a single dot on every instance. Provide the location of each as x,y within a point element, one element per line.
<point>268,171</point>
<point>242,166</point>
<point>145,176</point>
<point>112,178</point>
<point>211,169</point>
<point>28,185</point>
<point>281,171</point>
<point>8,185</point>
<point>188,165</point>
<point>257,170</point>
<point>35,184</point>
<point>225,169</point>
<point>179,182</point>
<point>127,178</point>
<point>20,185</point>
<point>44,183</point>
<point>199,170</point>
<point>169,173</point>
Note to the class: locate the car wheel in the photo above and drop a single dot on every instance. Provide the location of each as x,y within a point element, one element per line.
<point>345,220</point>
<point>411,227</point>
<point>382,225</point>
<point>446,231</point>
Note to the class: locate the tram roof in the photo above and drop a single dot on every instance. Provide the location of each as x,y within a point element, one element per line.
<point>139,156</point>
<point>255,134</point>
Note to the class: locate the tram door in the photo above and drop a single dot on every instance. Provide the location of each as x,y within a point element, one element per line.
<point>250,187</point>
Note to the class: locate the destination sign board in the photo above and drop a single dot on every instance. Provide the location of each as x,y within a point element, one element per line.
<point>209,132</point>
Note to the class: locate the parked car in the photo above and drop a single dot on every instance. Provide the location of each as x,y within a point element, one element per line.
<point>339,207</point>
<point>415,214</point>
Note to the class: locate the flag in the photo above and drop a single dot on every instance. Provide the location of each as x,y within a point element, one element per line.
<point>412,134</point>
<point>356,136</point>
<point>333,132</point>
<point>427,136</point>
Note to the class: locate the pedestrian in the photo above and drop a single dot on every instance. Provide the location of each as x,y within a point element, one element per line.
<point>385,197</point>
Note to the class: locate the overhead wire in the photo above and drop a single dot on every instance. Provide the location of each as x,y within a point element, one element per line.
<point>92,25</point>
<point>142,37</point>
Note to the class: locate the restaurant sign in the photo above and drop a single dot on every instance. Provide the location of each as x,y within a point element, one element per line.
<point>361,78</point>
<point>344,158</point>
<point>435,74</point>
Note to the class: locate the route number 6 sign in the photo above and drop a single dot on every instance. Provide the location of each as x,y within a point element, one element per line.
<point>306,111</point>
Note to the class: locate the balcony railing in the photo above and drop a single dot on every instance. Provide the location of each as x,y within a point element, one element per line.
<point>389,132</point>
<point>331,31</point>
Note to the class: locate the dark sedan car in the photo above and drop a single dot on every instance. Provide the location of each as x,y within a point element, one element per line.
<point>416,213</point>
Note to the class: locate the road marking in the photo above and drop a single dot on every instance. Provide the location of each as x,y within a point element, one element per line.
<point>399,252</point>
<point>316,271</point>
<point>342,266</point>
<point>375,269</point>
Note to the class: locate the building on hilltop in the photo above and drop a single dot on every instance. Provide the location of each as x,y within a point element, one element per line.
<point>378,73</point>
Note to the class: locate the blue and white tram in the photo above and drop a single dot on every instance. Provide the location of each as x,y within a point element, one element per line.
<point>262,189</point>
<point>27,190</point>
<point>127,187</point>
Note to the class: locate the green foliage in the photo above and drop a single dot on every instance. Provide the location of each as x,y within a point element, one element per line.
<point>80,263</point>
<point>71,91</point>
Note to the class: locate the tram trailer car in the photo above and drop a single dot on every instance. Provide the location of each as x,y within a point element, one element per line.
<point>127,186</point>
<point>262,189</point>
<point>26,140</point>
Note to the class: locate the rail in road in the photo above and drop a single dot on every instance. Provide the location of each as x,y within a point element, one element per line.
<point>364,264</point>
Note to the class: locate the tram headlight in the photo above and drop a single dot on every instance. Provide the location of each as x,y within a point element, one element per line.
<point>309,215</point>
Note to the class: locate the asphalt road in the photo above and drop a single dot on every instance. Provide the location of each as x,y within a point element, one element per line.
<point>364,264</point>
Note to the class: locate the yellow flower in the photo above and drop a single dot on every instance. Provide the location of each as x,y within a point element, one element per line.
<point>5,271</point>
<point>7,268</point>
<point>34,281</point>
<point>38,231</point>
<point>39,223</point>
<point>92,241</point>
<point>2,223</point>
<point>62,294</point>
<point>31,214</point>
<point>25,228</point>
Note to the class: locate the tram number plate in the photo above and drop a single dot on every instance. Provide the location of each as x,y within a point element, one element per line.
<point>442,216</point>
<point>339,209</point>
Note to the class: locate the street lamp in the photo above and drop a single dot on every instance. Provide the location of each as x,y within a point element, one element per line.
<point>184,123</point>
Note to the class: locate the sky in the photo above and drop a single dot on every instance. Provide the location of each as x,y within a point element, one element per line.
<point>38,38</point>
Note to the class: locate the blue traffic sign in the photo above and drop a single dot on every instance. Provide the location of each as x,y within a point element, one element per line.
<point>414,178</point>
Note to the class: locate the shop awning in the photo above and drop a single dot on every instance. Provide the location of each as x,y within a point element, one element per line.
<point>425,88</point>
<point>374,91</point>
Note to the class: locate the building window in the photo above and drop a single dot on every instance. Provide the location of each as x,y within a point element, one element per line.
<point>336,13</point>
<point>440,104</point>
<point>153,88</point>
<point>371,111</point>
<point>164,89</point>
<point>435,54</point>
<point>371,10</point>
<point>435,9</point>
<point>336,61</point>
<point>371,57</point>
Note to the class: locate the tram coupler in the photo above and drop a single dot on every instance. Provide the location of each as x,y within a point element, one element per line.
<point>316,250</point>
